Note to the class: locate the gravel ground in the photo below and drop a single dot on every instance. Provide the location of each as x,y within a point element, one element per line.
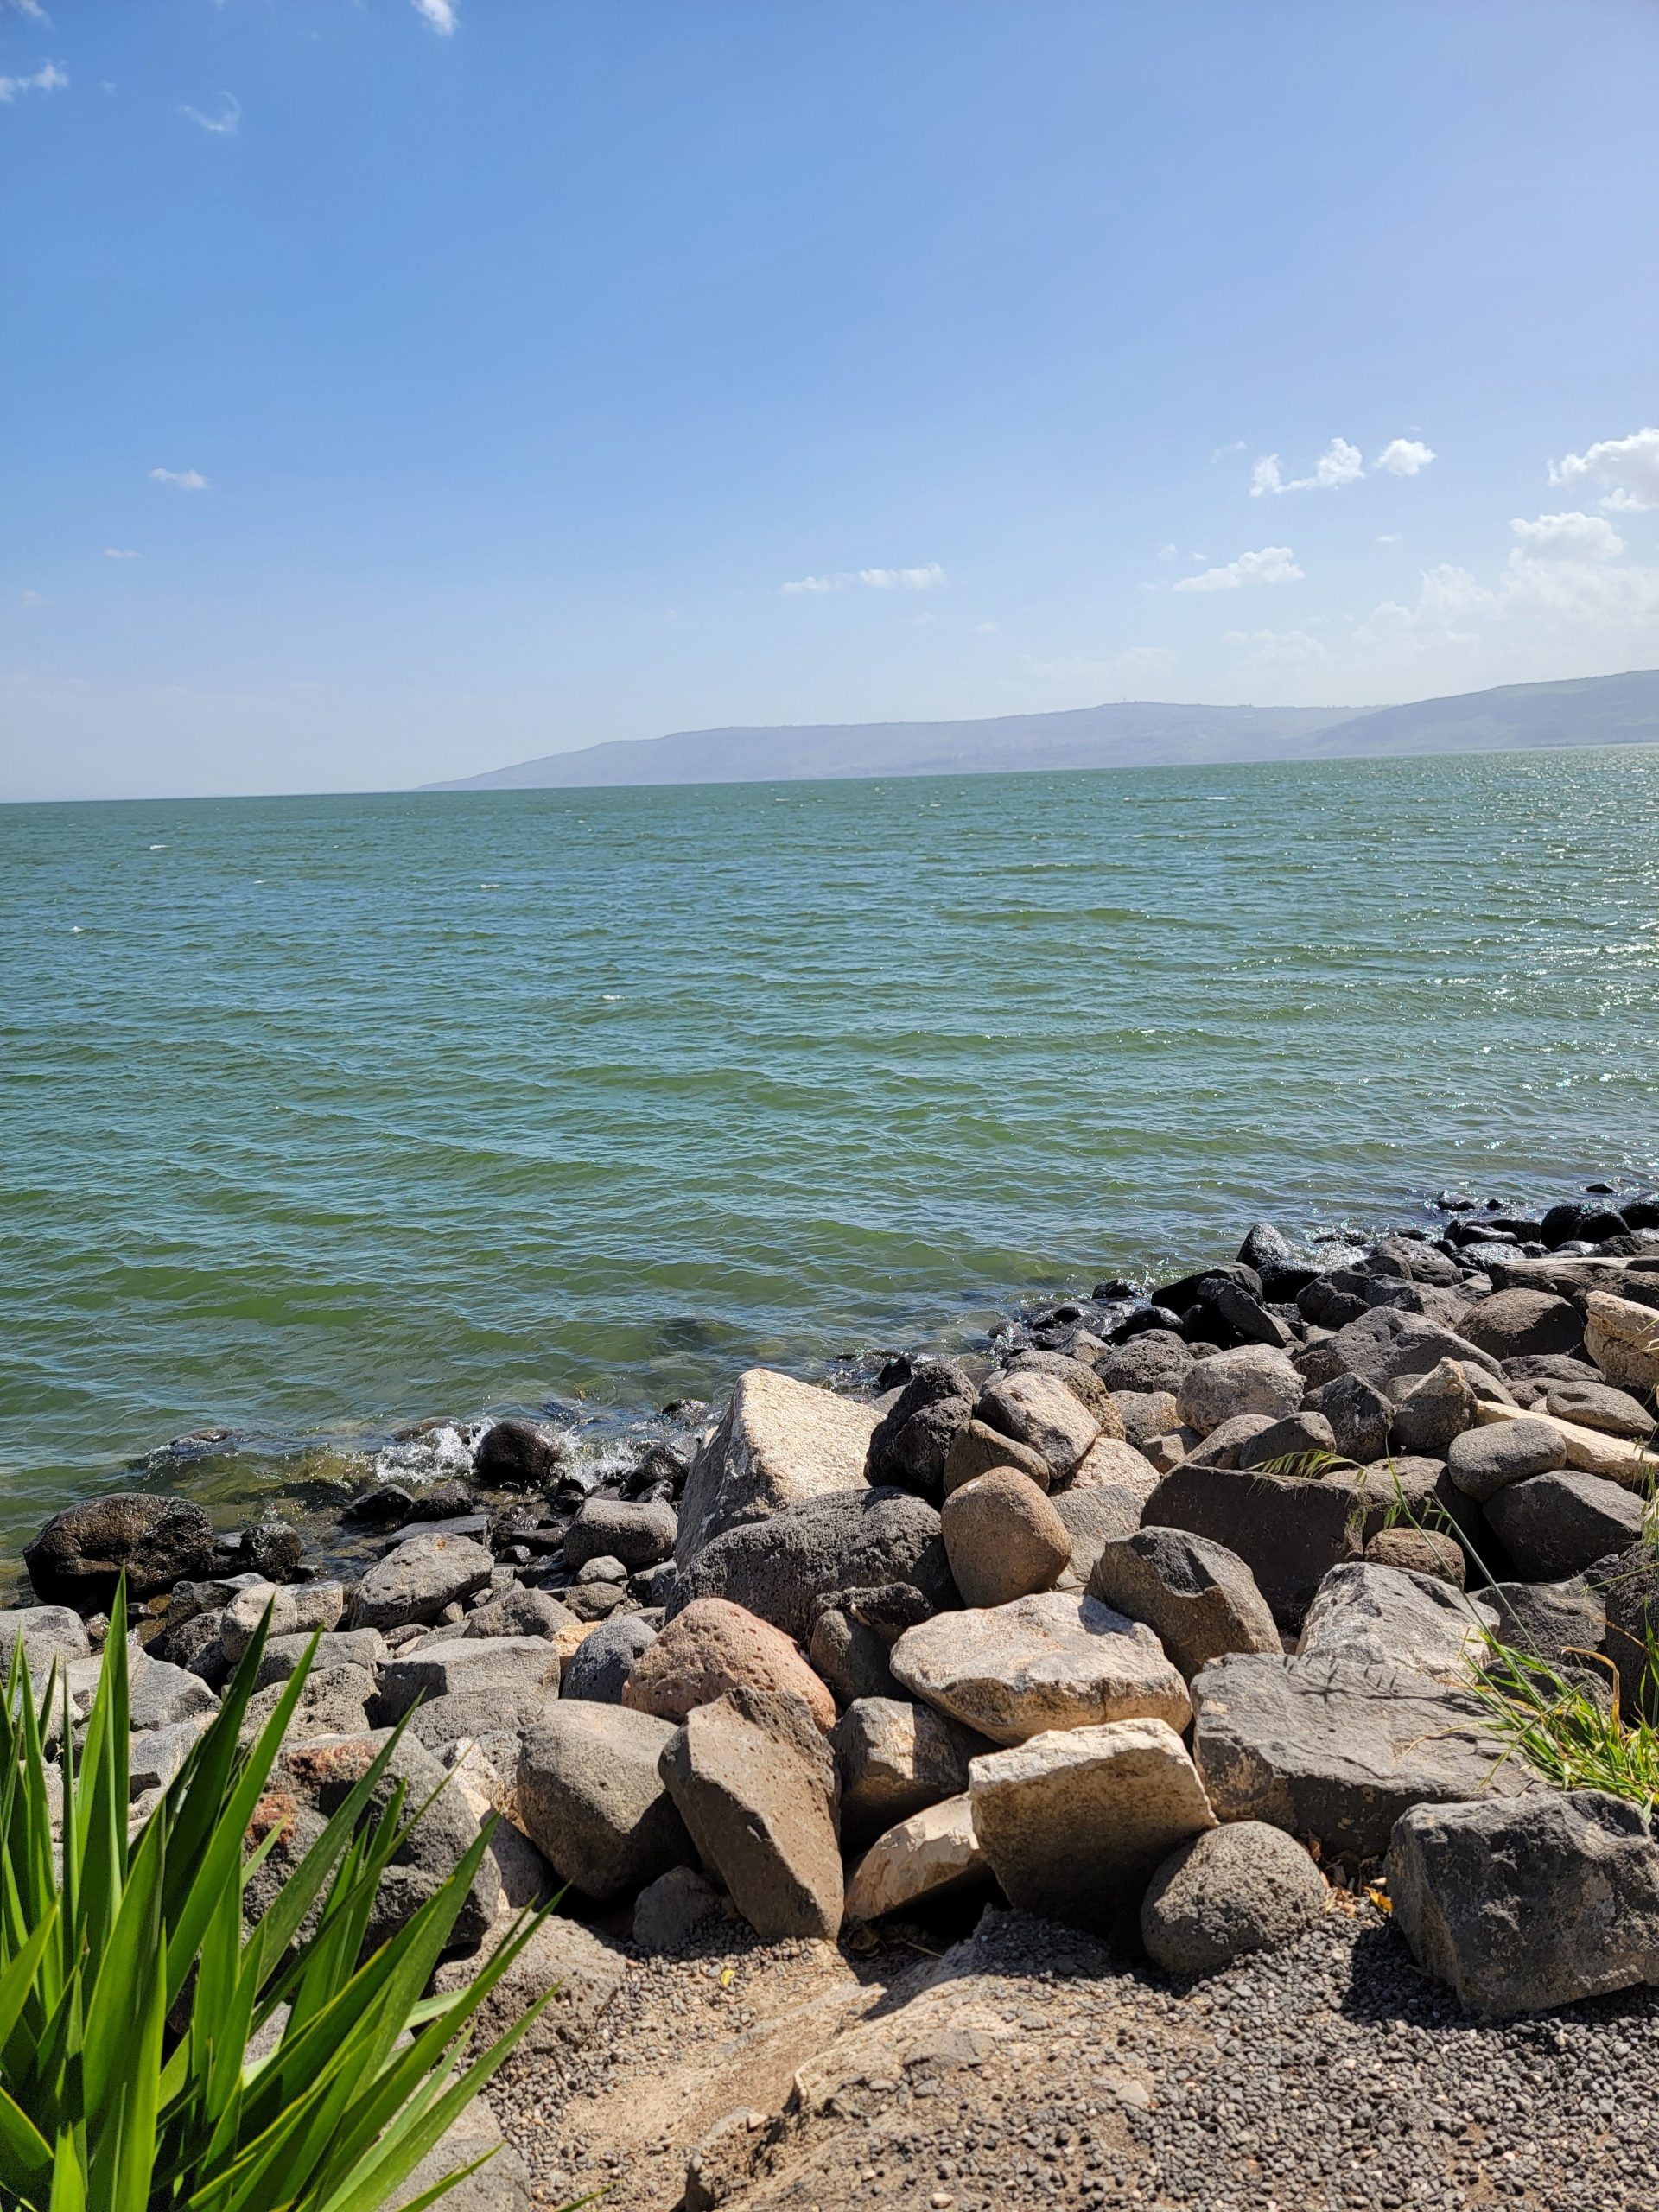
<point>1027,2067</point>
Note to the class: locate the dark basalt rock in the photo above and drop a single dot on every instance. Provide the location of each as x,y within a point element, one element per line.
<point>516,1455</point>
<point>80,1555</point>
<point>911,1439</point>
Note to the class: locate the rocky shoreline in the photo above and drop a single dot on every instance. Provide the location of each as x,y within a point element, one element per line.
<point>1166,1623</point>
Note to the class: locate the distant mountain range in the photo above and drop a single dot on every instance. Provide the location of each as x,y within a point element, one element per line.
<point>1514,717</point>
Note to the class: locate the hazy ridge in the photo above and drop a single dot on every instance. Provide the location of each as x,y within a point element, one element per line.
<point>1589,710</point>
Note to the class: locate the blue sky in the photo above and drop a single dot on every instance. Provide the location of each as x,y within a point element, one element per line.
<point>391,390</point>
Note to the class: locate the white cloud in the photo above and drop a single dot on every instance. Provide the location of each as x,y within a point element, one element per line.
<point>922,579</point>
<point>1567,537</point>
<point>50,77</point>
<point>1167,552</point>
<point>440,14</point>
<point>1221,452</point>
<point>1389,537</point>
<point>223,125</point>
<point>1628,466</point>
<point>1339,464</point>
<point>32,9</point>
<point>119,553</point>
<point>185,480</point>
<point>1404,456</point>
<point>1271,564</point>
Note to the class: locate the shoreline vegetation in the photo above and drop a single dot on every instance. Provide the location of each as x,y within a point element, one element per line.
<point>1295,1616</point>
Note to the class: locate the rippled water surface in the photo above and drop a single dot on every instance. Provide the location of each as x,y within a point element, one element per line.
<point>320,1115</point>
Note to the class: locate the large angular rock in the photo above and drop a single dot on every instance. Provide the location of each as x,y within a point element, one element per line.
<point>591,1797</point>
<point>562,1956</point>
<point>713,1647</point>
<point>1113,1463</point>
<point>307,1784</point>
<point>780,1443</point>
<point>159,1695</point>
<point>1075,1822</point>
<point>909,1446</point>
<point>755,1784</point>
<point>896,1758</point>
<point>597,1671</point>
<point>296,1609</point>
<point>1051,1661</point>
<point>1627,1583</point>
<point>1511,1323</point>
<point>1430,1411</point>
<point>1368,1615</point>
<point>354,1647</point>
<point>498,1721</point>
<point>1155,1359</point>
<point>848,1655</point>
<point>1556,1525</point>
<point>1563,1624</point>
<point>1231,1890</point>
<point>515,1666</point>
<point>1621,1336</point>
<point>334,1701</point>
<point>1359,1413</point>
<point>519,1612</point>
<point>501,2184</point>
<point>1252,1379</point>
<point>1199,1599</point>
<point>81,1553</point>
<point>1600,1407</point>
<point>933,1854</point>
<point>1338,1753</point>
<point>640,1535</point>
<point>1040,1411</point>
<point>1289,1531</point>
<point>1003,1539</point>
<point>1592,1451</point>
<point>1387,1342</point>
<point>778,1568</point>
<point>1525,1905</point>
<point>1097,1516</point>
<point>1080,1378</point>
<point>418,1579</point>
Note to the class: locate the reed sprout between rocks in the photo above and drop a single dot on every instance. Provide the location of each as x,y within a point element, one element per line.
<point>156,2051</point>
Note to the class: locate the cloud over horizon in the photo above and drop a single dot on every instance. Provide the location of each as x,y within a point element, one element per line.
<point>927,578</point>
<point>1270,564</point>
<point>1628,466</point>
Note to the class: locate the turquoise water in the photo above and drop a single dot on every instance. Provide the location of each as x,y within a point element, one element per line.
<point>322,1115</point>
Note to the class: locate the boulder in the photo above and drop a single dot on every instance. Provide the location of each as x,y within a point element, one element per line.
<point>592,1800</point>
<point>780,1444</point>
<point>496,1721</point>
<point>715,1646</point>
<point>1289,1531</point>
<point>584,1975</point>
<point>516,1666</point>
<point>1252,1379</point>
<point>307,1784</point>
<point>159,1695</point>
<point>849,1656</point>
<point>1197,1597</point>
<point>1075,1822</point>
<point>597,1671</point>
<point>1226,1445</point>
<point>779,1567</point>
<point>1434,1409</point>
<point>931,1854</point>
<point>46,1633</point>
<point>1385,1341</point>
<point>1522,1906</point>
<point>755,1784</point>
<point>1600,1407</point>
<point>418,1579</point>
<point>80,1555</point>
<point>1094,1516</point>
<point>1563,1624</point>
<point>1621,1336</point>
<point>1112,1463</point>
<point>1422,1551</point>
<point>1298,1437</point>
<point>1482,1461</point>
<point>1365,1614</point>
<point>296,1610</point>
<point>1155,1359</point>
<point>1627,1583</point>
<point>1511,1323</point>
<point>1592,1451</point>
<point>977,1448</point>
<point>517,1455</point>
<point>1040,1411</point>
<point>1145,1413</point>
<point>155,1756</point>
<point>1003,1539</point>
<point>1338,1752</point>
<point>500,2183</point>
<point>354,1647</point>
<point>637,1536</point>
<point>1080,1378</point>
<point>333,1702</point>
<point>1557,1525</point>
<point>1051,1662</point>
<point>909,1446</point>
<point>519,1612</point>
<point>895,1758</point>
<point>1359,1414</point>
<point>1229,1890</point>
<point>673,1911</point>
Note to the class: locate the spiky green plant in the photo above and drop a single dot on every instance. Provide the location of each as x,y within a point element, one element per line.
<point>132,1989</point>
